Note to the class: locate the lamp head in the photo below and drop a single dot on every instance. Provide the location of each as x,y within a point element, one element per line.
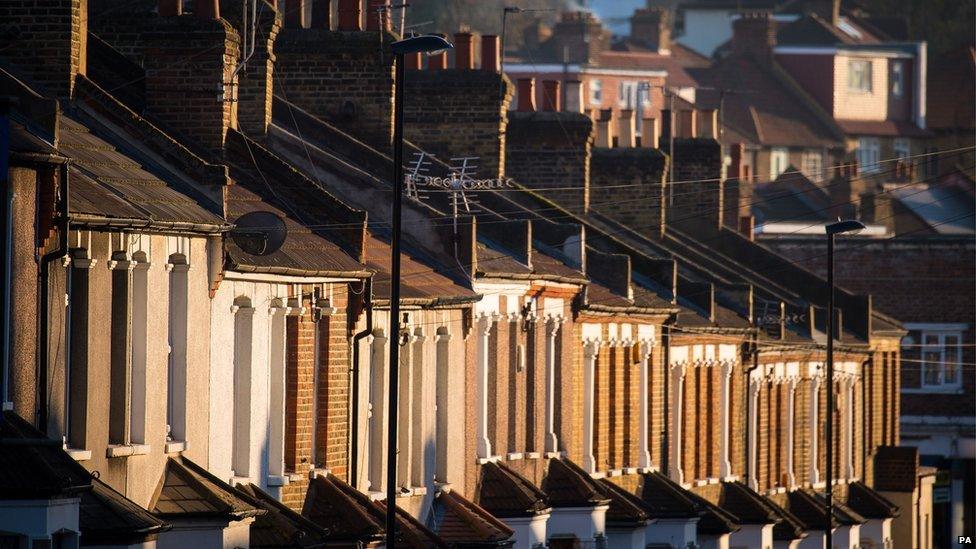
<point>431,44</point>
<point>847,226</point>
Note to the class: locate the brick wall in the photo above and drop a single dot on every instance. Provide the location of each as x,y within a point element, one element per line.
<point>49,38</point>
<point>639,205</point>
<point>343,77</point>
<point>698,193</point>
<point>457,113</point>
<point>549,150</point>
<point>255,83</point>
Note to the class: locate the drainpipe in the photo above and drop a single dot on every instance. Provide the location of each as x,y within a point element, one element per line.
<point>44,298</point>
<point>754,353</point>
<point>354,372</point>
<point>6,210</point>
<point>864,416</point>
<point>666,348</point>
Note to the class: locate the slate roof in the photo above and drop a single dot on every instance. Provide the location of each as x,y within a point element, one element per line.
<point>506,494</point>
<point>332,508</point>
<point>188,491</point>
<point>567,485</point>
<point>808,509</point>
<point>280,527</point>
<point>38,469</point>
<point>945,210</point>
<point>626,509</point>
<point>792,196</point>
<point>630,54</point>
<point>812,30</point>
<point>715,521</point>
<point>462,523</point>
<point>106,517</point>
<point>746,505</point>
<point>868,503</point>
<point>665,499</point>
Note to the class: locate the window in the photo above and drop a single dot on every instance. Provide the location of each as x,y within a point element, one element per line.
<point>897,78</point>
<point>140,339</point>
<point>596,93</point>
<point>940,357</point>
<point>868,154</point>
<point>779,159</point>
<point>859,75</point>
<point>627,95</point>
<point>902,148</point>
<point>120,377</point>
<point>812,164</point>
<point>176,366</point>
<point>241,435</point>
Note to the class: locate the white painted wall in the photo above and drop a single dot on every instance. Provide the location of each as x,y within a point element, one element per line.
<point>211,534</point>
<point>678,533</point>
<point>816,539</point>
<point>847,537</point>
<point>626,537</point>
<point>876,530</point>
<point>529,532</point>
<point>754,536</point>
<point>714,542</point>
<point>39,519</point>
<point>585,523</point>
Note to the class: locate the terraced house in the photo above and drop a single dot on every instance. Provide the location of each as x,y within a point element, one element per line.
<point>588,356</point>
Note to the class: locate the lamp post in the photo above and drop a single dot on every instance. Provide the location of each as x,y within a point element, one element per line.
<point>429,44</point>
<point>850,226</point>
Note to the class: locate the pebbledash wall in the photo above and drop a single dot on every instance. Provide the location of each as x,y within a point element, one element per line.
<point>279,382</point>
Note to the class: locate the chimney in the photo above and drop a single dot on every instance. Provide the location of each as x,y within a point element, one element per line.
<point>828,10</point>
<point>294,14</point>
<point>321,14</point>
<point>626,129</point>
<point>254,84</point>
<point>207,9</point>
<point>652,26</point>
<point>650,133</point>
<point>754,33</point>
<point>526,94</point>
<point>491,53</point>
<point>378,15</point>
<point>550,95</point>
<point>708,123</point>
<point>581,35</point>
<point>169,8</point>
<point>350,15</point>
<point>604,129</point>
<point>49,43</point>
<point>574,96</point>
<point>464,51</point>
<point>413,61</point>
<point>437,62</point>
<point>687,123</point>
<point>192,98</point>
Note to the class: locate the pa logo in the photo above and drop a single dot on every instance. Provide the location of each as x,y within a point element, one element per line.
<point>964,540</point>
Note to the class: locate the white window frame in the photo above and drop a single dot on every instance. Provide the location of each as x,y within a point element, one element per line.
<point>779,161</point>
<point>901,147</point>
<point>811,164</point>
<point>627,95</point>
<point>869,154</point>
<point>897,78</point>
<point>859,75</point>
<point>951,356</point>
<point>595,88</point>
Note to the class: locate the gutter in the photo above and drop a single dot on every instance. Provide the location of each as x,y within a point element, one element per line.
<point>180,227</point>
<point>354,373</point>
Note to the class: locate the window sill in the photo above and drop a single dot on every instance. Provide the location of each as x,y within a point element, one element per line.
<point>175,446</point>
<point>234,481</point>
<point>126,450</point>
<point>278,480</point>
<point>8,406</point>
<point>934,390</point>
<point>532,455</point>
<point>514,456</point>
<point>79,455</point>
<point>316,472</point>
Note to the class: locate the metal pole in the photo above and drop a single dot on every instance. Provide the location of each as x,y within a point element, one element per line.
<point>829,428</point>
<point>394,338</point>
<point>671,124</point>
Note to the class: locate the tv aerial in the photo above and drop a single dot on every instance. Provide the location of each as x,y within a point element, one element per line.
<point>259,233</point>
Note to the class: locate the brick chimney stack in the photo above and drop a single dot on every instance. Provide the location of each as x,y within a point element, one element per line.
<point>551,95</point>
<point>754,34</point>
<point>463,51</point>
<point>526,95</point>
<point>294,14</point>
<point>350,15</point>
<point>650,132</point>
<point>604,129</point>
<point>626,129</point>
<point>652,26</point>
<point>378,15</point>
<point>581,35</point>
<point>50,43</point>
<point>321,14</point>
<point>574,96</point>
<point>255,84</point>
<point>491,53</point>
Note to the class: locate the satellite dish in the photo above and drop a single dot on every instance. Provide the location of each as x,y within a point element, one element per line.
<point>259,233</point>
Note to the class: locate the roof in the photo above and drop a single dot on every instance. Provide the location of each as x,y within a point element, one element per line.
<point>505,493</point>
<point>789,528</point>
<point>632,54</point>
<point>35,467</point>
<point>109,185</point>
<point>792,196</point>
<point>625,508</point>
<point>106,517</point>
<point>746,505</point>
<point>305,252</point>
<point>868,503</point>
<point>950,88</point>
<point>187,490</point>
<point>942,208</point>
<point>761,106</point>
<point>812,30</point>
<point>808,509</point>
<point>460,522</point>
<point>412,533</point>
<point>280,526</point>
<point>665,499</point>
<point>419,283</point>
<point>883,128</point>
<point>567,485</point>
<point>714,520</point>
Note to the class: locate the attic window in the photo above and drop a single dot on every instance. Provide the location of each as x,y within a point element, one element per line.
<point>849,29</point>
<point>859,75</point>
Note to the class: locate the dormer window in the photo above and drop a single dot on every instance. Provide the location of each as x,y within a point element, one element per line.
<point>897,78</point>
<point>859,75</point>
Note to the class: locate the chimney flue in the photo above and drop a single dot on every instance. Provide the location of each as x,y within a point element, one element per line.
<point>437,62</point>
<point>463,51</point>
<point>550,95</point>
<point>526,95</point>
<point>650,133</point>
<point>604,129</point>
<point>491,53</point>
<point>207,9</point>
<point>350,15</point>
<point>626,129</point>
<point>652,26</point>
<point>574,96</point>
<point>754,33</point>
<point>708,123</point>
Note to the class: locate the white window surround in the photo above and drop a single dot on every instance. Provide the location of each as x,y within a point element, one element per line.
<point>859,75</point>
<point>277,338</point>
<point>940,357</point>
<point>643,444</point>
<point>755,386</point>
<point>121,266</point>
<point>595,92</point>
<point>591,352</point>
<point>443,408</point>
<point>779,160</point>
<point>378,383</point>
<point>551,444</point>
<point>811,164</point>
<point>243,352</point>
<point>897,78</point>
<point>139,342</point>
<point>484,325</point>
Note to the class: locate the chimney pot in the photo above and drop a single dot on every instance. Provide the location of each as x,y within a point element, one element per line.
<point>463,51</point>
<point>295,14</point>
<point>736,170</point>
<point>687,123</point>
<point>650,133</point>
<point>526,94</point>
<point>653,27</point>
<point>169,8</point>
<point>574,96</point>
<point>412,61</point>
<point>207,9</point>
<point>550,95</point>
<point>321,14</point>
<point>378,15</point>
<point>350,15</point>
<point>437,62</point>
<point>604,129</point>
<point>491,53</point>
<point>626,129</point>
<point>747,226</point>
<point>708,123</point>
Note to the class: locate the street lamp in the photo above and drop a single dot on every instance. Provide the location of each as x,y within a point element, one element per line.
<point>429,44</point>
<point>850,226</point>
